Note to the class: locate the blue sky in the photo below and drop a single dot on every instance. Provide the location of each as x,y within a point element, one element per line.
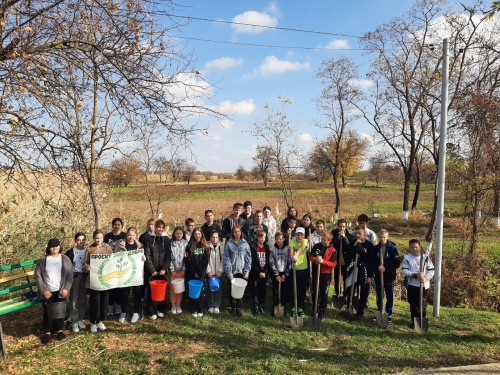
<point>248,77</point>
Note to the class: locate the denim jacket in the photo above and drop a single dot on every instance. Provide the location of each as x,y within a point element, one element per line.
<point>237,258</point>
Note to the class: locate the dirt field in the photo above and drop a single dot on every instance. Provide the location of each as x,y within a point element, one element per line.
<point>183,201</point>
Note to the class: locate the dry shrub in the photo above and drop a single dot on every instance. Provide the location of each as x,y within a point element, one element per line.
<point>198,178</point>
<point>48,209</point>
<point>472,282</point>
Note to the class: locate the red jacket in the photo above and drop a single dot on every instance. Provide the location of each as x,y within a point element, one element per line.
<point>329,255</point>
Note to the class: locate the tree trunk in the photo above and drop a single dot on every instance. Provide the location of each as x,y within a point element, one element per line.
<point>495,220</point>
<point>376,179</point>
<point>337,196</point>
<point>95,206</point>
<point>417,192</point>
<point>406,193</point>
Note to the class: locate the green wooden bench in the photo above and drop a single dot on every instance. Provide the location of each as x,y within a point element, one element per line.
<point>14,283</point>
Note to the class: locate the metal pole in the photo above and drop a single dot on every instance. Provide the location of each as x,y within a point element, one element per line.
<point>441,179</point>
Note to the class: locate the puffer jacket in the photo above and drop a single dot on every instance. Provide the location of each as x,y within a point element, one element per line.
<point>158,254</point>
<point>178,252</point>
<point>237,258</point>
<point>216,262</point>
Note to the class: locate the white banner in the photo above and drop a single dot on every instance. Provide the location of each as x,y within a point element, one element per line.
<point>117,270</point>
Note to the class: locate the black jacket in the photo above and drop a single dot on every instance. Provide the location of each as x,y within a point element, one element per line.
<point>391,262</point>
<point>196,263</point>
<point>256,269</point>
<point>366,260</point>
<point>227,226</point>
<point>251,233</point>
<point>208,230</point>
<point>158,254</point>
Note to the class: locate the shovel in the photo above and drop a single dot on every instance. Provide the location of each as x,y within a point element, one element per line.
<point>279,310</point>
<point>382,317</point>
<point>353,303</point>
<point>338,300</point>
<point>297,322</point>
<point>309,290</point>
<point>421,323</point>
<point>314,321</point>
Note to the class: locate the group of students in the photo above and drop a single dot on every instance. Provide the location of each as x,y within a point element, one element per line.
<point>249,246</point>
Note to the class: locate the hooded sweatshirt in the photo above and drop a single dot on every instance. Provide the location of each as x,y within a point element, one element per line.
<point>279,260</point>
<point>196,262</point>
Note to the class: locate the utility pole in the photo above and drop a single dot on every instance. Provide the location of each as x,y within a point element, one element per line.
<point>441,179</point>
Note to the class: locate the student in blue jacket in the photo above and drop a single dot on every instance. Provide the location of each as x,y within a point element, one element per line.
<point>237,263</point>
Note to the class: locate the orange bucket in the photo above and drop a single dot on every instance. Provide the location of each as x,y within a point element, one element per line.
<point>158,290</point>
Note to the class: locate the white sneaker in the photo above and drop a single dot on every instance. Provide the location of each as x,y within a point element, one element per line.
<point>101,326</point>
<point>216,310</point>
<point>135,318</point>
<point>160,314</point>
<point>195,315</point>
<point>81,324</point>
<point>173,310</point>
<point>210,310</point>
<point>122,317</point>
<point>179,310</point>
<point>200,315</point>
<point>93,328</point>
<point>75,328</point>
<point>118,309</point>
<point>111,310</point>
<point>153,317</point>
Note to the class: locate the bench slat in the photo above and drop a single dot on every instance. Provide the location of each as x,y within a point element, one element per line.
<point>19,265</point>
<point>15,277</point>
<point>11,301</point>
<point>15,288</point>
<point>18,306</point>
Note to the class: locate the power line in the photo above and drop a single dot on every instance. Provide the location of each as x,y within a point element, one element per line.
<point>271,46</point>
<point>262,26</point>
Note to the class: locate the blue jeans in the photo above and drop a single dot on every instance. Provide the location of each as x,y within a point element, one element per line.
<point>389,294</point>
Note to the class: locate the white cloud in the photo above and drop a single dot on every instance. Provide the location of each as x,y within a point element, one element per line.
<point>224,63</point>
<point>289,55</point>
<point>369,138</point>
<point>247,151</point>
<point>272,65</point>
<point>213,158</point>
<point>244,107</point>
<point>336,44</point>
<point>272,8</point>
<point>255,18</point>
<point>305,137</point>
<point>362,83</point>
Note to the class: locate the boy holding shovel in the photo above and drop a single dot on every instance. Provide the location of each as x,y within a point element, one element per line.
<point>417,274</point>
<point>325,254</point>
<point>387,266</point>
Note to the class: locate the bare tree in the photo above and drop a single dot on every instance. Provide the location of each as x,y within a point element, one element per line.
<point>377,164</point>
<point>188,172</point>
<point>76,76</point>
<point>277,131</point>
<point>337,103</point>
<point>161,166</point>
<point>263,163</point>
<point>240,172</point>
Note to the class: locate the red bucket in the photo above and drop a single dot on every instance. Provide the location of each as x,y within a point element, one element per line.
<point>158,290</point>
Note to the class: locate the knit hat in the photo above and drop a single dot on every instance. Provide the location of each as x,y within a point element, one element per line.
<point>300,230</point>
<point>53,243</point>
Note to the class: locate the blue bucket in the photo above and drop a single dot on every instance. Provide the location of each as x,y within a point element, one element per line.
<point>214,284</point>
<point>195,288</point>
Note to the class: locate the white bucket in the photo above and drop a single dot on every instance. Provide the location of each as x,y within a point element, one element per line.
<point>178,285</point>
<point>238,288</point>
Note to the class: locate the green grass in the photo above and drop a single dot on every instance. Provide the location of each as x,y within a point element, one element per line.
<point>122,190</point>
<point>266,345</point>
